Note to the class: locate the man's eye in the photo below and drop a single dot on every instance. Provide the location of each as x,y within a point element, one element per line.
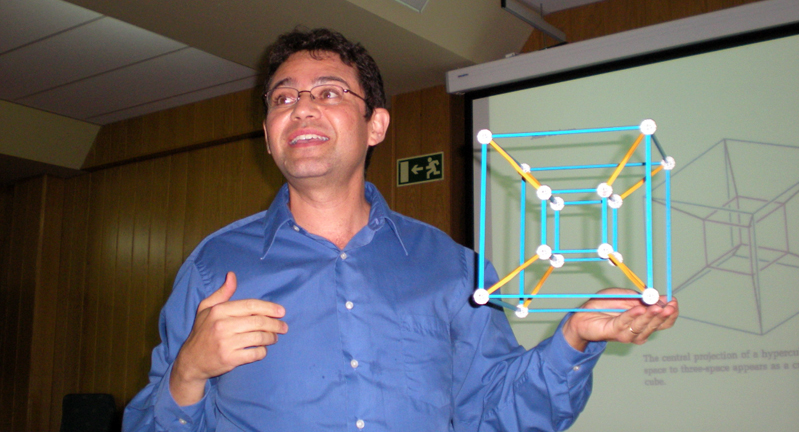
<point>282,100</point>
<point>329,93</point>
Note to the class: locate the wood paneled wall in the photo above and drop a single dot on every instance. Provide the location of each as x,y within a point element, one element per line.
<point>126,230</point>
<point>431,121</point>
<point>222,119</point>
<point>30,266</point>
<point>614,16</point>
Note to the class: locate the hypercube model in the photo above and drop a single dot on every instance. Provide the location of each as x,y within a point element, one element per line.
<point>554,200</point>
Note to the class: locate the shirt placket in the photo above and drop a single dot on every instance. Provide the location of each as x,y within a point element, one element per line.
<point>351,342</point>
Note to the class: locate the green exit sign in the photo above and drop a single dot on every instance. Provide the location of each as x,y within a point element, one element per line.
<point>420,169</point>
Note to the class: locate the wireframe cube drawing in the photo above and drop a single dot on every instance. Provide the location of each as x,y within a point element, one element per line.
<point>742,197</point>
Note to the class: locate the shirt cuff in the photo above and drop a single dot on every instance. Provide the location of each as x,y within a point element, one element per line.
<point>170,415</point>
<point>568,362</point>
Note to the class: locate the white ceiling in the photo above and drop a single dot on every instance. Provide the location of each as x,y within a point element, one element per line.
<point>101,61</point>
<point>71,61</point>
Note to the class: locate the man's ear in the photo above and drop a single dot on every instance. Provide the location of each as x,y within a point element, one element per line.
<point>266,138</point>
<point>378,125</point>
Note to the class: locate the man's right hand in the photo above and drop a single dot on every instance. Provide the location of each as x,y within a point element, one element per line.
<point>226,334</point>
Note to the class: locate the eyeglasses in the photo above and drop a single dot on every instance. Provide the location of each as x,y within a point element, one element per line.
<point>326,94</point>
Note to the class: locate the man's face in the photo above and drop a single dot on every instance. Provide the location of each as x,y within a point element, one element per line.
<point>313,141</point>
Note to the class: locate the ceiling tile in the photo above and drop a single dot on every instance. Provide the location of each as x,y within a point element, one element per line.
<point>26,21</point>
<point>162,77</point>
<point>88,50</point>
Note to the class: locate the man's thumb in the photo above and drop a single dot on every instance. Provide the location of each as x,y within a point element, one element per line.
<point>223,294</point>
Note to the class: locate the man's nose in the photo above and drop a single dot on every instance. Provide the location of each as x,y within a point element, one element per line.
<point>305,105</point>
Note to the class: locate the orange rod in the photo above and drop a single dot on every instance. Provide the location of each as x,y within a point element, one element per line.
<point>640,183</point>
<point>512,274</point>
<point>623,162</point>
<point>527,176</point>
<point>538,286</point>
<point>629,273</point>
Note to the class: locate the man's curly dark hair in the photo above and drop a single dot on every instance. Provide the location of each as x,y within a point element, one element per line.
<point>318,42</point>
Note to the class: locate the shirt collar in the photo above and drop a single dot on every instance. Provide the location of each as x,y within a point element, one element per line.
<point>279,215</point>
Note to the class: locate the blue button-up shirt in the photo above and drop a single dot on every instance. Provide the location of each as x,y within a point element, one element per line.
<point>382,337</point>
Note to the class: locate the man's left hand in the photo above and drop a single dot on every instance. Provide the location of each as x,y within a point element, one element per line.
<point>633,326</point>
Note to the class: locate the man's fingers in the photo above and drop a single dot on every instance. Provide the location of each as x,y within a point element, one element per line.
<point>251,323</point>
<point>223,294</point>
<point>254,339</point>
<point>247,307</point>
<point>655,318</point>
<point>226,308</point>
<point>231,329</point>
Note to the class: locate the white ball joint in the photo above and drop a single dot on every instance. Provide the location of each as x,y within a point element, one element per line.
<point>480,296</point>
<point>484,136</point>
<point>615,201</point>
<point>648,127</point>
<point>557,261</point>
<point>618,257</point>
<point>604,250</point>
<point>604,190</point>
<point>544,192</point>
<point>525,167</point>
<point>544,252</point>
<point>668,164</point>
<point>557,203</point>
<point>650,296</point>
<point>521,311</point>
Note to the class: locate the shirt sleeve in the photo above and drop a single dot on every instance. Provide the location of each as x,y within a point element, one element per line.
<point>499,386</point>
<point>153,408</point>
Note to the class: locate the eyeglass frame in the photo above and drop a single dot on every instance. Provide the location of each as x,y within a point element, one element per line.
<point>266,95</point>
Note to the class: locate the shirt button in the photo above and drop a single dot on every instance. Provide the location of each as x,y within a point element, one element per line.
<point>576,368</point>
<point>181,421</point>
<point>343,255</point>
<point>349,305</point>
<point>354,363</point>
<point>296,228</point>
<point>360,424</point>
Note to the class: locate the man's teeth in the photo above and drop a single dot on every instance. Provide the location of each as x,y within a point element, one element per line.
<point>308,137</point>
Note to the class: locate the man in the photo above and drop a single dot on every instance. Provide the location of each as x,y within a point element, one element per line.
<point>331,312</point>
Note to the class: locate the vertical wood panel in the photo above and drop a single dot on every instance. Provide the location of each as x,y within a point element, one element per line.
<point>106,290</point>
<point>91,299</point>
<point>6,220</point>
<point>407,142</point>
<point>423,126</point>
<point>159,182</point>
<point>10,308</point>
<point>176,221</point>
<point>121,282</point>
<point>435,137</point>
<point>30,199</point>
<point>45,305</point>
<point>195,196</point>
<point>68,339</point>
<point>260,178</point>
